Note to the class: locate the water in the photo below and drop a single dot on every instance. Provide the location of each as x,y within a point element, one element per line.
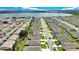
<point>33,14</point>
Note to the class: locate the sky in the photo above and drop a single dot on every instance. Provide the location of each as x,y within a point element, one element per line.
<point>39,4</point>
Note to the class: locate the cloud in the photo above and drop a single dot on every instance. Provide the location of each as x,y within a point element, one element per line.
<point>69,8</point>
<point>32,8</point>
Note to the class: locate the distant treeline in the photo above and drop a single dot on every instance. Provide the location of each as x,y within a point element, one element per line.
<point>71,12</point>
<point>23,11</point>
<point>36,11</point>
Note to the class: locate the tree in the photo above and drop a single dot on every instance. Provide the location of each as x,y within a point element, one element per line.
<point>23,33</point>
<point>5,22</point>
<point>7,18</point>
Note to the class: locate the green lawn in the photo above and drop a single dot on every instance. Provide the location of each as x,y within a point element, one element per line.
<point>76,15</point>
<point>59,48</point>
<point>43,46</point>
<point>56,42</point>
<point>62,31</point>
<point>20,44</point>
<point>43,37</point>
<point>54,38</point>
<point>73,39</point>
<point>43,41</point>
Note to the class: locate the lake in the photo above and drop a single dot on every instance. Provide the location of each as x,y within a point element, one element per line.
<point>4,15</point>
